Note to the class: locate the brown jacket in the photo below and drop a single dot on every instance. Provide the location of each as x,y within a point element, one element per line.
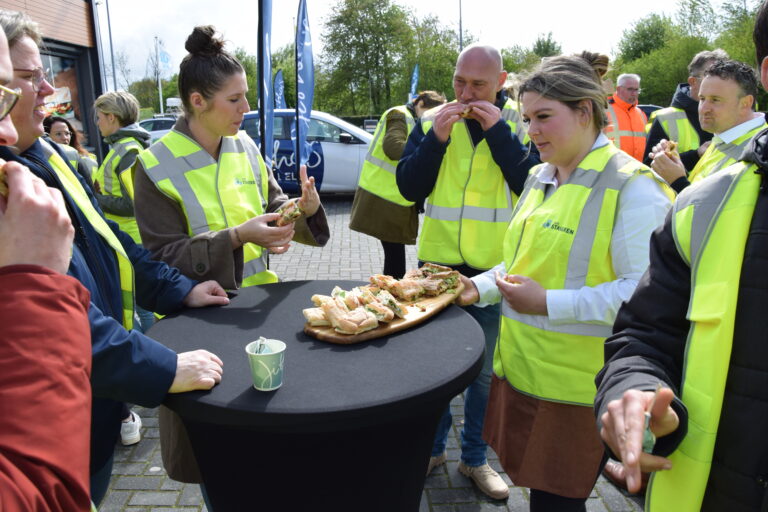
<point>164,232</point>
<point>377,217</point>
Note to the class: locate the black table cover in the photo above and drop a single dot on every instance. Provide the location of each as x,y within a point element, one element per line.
<point>349,420</point>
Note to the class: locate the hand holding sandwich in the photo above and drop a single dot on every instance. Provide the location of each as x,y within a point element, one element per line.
<point>486,113</point>
<point>666,161</point>
<point>258,231</point>
<point>446,117</point>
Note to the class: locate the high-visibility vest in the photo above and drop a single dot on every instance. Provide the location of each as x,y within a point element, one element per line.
<point>109,182</point>
<point>563,242</point>
<point>214,195</point>
<point>626,128</point>
<point>721,155</point>
<point>75,159</point>
<point>378,174</point>
<point>468,210</point>
<point>84,204</point>
<point>678,128</point>
<point>710,226</point>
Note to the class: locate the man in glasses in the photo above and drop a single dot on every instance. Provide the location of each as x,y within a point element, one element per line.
<point>626,127</point>
<point>127,366</point>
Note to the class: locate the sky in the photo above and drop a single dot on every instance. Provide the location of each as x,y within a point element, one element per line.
<point>595,25</point>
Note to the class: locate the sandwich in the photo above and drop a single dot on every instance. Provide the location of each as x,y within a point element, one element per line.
<point>316,317</point>
<point>671,150</point>
<point>348,322</point>
<point>466,112</point>
<point>289,212</point>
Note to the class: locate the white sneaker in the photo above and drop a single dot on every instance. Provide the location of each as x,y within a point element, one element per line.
<point>487,480</point>
<point>130,431</point>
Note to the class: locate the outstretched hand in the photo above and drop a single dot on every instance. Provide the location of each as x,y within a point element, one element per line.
<point>623,428</point>
<point>309,201</point>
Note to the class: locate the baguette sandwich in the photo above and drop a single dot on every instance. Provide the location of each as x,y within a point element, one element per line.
<point>289,212</point>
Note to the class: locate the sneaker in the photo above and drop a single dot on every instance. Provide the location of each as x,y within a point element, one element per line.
<point>130,431</point>
<point>437,460</point>
<point>486,479</point>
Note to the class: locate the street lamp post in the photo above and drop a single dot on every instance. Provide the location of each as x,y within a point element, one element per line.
<point>461,31</point>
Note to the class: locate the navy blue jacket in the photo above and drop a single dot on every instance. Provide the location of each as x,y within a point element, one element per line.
<point>127,366</point>
<point>419,166</point>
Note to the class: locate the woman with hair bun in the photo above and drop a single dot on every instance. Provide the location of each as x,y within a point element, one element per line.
<point>574,250</point>
<point>206,202</point>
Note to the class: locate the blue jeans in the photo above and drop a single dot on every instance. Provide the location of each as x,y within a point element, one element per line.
<point>475,396</point>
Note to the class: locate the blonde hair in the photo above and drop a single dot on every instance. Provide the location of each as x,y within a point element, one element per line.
<point>569,80</point>
<point>122,105</point>
<point>16,25</point>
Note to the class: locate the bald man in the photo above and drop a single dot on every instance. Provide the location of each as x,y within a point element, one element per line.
<point>465,164</point>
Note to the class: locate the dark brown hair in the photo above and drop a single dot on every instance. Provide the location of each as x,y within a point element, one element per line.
<point>74,139</point>
<point>207,65</point>
<point>429,99</point>
<point>759,36</point>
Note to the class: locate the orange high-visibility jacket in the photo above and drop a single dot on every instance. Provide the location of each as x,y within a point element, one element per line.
<point>626,126</point>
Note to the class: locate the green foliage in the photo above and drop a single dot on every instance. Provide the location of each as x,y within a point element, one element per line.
<point>251,68</point>
<point>517,59</point>
<point>662,69</point>
<point>696,18</point>
<point>435,48</point>
<point>364,53</point>
<point>649,34</point>
<point>545,46</point>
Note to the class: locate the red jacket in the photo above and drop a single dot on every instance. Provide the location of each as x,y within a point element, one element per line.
<point>631,123</point>
<point>45,404</point>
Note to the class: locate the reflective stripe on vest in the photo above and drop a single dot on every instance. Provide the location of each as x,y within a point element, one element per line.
<point>378,173</point>
<point>468,210</point>
<point>710,226</point>
<point>722,154</point>
<point>214,195</point>
<point>628,140</point>
<point>109,182</point>
<point>563,241</point>
<point>83,202</point>
<point>678,128</point>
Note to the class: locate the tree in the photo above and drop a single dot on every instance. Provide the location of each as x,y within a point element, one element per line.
<point>365,43</point>
<point>649,34</point>
<point>545,46</point>
<point>435,48</point>
<point>251,67</point>
<point>517,59</point>
<point>696,18</point>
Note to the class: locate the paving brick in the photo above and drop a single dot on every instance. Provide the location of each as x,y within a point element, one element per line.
<point>595,505</point>
<point>452,495</point>
<point>137,483</point>
<point>191,495</point>
<point>147,498</point>
<point>482,507</point>
<point>129,468</point>
<point>114,501</point>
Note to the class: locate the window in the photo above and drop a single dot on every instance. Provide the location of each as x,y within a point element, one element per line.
<point>323,132</point>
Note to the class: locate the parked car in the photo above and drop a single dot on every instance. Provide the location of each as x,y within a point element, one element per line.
<point>648,109</point>
<point>338,150</point>
<point>158,126</point>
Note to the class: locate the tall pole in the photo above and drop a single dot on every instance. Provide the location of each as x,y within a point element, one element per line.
<point>111,47</point>
<point>461,31</point>
<point>157,70</point>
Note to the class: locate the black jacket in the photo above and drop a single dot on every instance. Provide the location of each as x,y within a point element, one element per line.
<point>682,99</point>
<point>649,345</point>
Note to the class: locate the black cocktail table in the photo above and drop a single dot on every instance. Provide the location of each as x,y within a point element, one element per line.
<point>352,426</point>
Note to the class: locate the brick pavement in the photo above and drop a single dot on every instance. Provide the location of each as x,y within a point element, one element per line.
<point>140,484</point>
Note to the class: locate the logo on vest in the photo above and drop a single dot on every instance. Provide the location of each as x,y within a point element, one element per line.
<point>239,181</point>
<point>557,227</point>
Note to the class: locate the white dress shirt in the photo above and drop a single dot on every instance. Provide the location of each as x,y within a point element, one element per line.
<point>641,208</point>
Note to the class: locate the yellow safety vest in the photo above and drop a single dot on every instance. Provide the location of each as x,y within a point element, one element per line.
<point>468,210</point>
<point>214,195</point>
<point>678,128</point>
<point>563,242</point>
<point>109,182</point>
<point>721,155</point>
<point>83,202</point>
<point>710,227</point>
<point>378,174</point>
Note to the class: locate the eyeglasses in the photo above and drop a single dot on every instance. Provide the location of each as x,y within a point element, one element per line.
<point>39,75</point>
<point>8,98</point>
<point>632,89</point>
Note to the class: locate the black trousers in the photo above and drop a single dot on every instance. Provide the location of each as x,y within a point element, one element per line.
<point>394,259</point>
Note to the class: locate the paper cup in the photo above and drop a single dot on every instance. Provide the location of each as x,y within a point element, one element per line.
<point>267,367</point>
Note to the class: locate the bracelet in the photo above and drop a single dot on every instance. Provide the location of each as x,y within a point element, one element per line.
<point>237,236</point>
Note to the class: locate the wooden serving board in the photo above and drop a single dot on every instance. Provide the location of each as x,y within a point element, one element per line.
<point>416,312</point>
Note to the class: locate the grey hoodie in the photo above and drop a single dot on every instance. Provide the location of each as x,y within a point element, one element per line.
<point>123,205</point>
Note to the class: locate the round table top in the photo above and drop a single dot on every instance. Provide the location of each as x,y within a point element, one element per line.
<point>324,385</point>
